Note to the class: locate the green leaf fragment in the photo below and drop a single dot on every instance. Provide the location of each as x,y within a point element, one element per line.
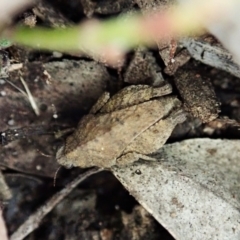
<point>5,43</point>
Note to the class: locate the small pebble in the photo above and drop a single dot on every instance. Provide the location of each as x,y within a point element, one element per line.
<point>11,122</point>
<point>38,167</point>
<point>2,81</point>
<point>3,93</point>
<point>55,116</point>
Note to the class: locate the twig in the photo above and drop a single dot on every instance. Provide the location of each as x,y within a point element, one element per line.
<point>28,94</point>
<point>30,97</point>
<point>35,219</point>
<point>15,86</point>
<point>55,176</point>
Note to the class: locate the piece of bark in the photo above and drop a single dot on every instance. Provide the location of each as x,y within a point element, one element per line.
<point>212,54</point>
<point>197,93</point>
<point>143,69</point>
